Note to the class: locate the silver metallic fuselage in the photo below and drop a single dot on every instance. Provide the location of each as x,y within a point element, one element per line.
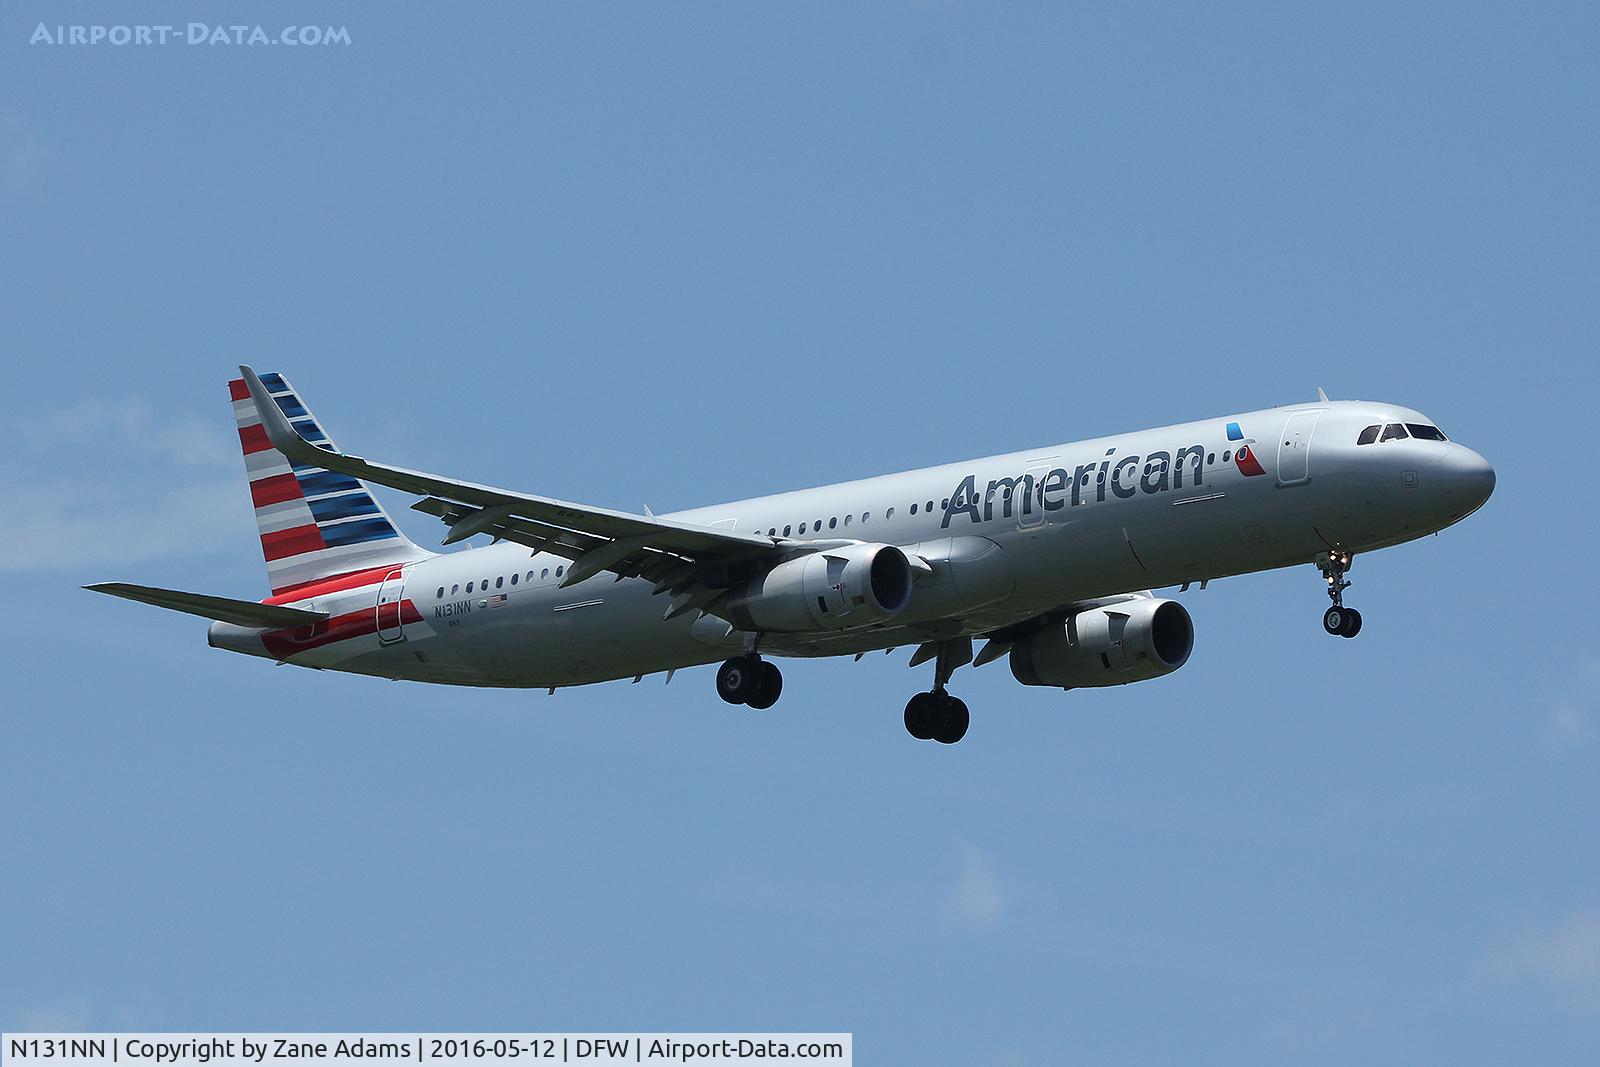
<point>1079,521</point>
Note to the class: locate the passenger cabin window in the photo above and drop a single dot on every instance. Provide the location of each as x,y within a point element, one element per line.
<point>1369,435</point>
<point>440,594</point>
<point>1393,431</point>
<point>1423,432</point>
<point>500,582</point>
<point>469,587</point>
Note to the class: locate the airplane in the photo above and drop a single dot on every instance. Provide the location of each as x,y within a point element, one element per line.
<point>1049,556</point>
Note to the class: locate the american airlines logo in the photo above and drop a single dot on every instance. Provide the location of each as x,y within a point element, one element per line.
<point>1121,476</point>
<point>1244,457</point>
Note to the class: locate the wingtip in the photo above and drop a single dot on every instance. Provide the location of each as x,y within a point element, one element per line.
<point>284,437</point>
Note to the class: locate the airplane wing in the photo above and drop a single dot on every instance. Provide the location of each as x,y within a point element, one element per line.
<point>677,556</point>
<point>221,608</point>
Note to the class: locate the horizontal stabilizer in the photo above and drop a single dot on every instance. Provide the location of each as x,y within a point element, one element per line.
<point>220,608</point>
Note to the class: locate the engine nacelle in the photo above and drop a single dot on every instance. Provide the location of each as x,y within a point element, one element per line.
<point>1127,641</point>
<point>833,589</point>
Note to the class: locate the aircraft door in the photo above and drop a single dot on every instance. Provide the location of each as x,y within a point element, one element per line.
<point>1294,448</point>
<point>390,596</point>
<point>1030,505</point>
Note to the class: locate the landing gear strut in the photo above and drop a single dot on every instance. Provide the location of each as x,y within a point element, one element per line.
<point>749,680</point>
<point>1338,621</point>
<point>938,716</point>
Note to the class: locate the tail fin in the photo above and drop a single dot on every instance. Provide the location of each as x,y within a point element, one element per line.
<point>315,524</point>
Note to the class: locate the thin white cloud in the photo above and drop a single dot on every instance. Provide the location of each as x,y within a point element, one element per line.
<point>979,896</point>
<point>24,158</point>
<point>1564,957</point>
<point>1574,718</point>
<point>54,1019</point>
<point>102,483</point>
<point>85,528</point>
<point>99,429</point>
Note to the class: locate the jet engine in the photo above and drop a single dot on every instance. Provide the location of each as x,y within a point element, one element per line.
<point>1113,644</point>
<point>832,589</point>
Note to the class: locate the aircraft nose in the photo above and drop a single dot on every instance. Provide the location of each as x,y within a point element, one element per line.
<point>1466,476</point>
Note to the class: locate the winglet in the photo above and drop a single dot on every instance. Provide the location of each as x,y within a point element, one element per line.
<point>1321,395</point>
<point>279,431</point>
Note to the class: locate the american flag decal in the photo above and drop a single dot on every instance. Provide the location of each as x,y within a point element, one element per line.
<point>498,600</point>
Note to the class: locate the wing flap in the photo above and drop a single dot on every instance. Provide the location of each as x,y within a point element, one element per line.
<point>220,608</point>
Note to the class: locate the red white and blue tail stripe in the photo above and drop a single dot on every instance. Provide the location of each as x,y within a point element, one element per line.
<point>315,524</point>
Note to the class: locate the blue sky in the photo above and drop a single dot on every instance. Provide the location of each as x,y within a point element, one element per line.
<point>675,254</point>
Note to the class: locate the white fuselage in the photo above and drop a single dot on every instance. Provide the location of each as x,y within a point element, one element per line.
<point>1007,538</point>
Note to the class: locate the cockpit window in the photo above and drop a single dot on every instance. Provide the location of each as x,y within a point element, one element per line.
<point>1392,432</point>
<point>1369,435</point>
<point>1423,432</point>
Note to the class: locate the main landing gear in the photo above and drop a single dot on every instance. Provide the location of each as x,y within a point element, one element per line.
<point>1338,621</point>
<point>938,716</point>
<point>749,680</point>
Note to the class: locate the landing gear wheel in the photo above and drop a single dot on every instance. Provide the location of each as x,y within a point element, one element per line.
<point>771,686</point>
<point>923,716</point>
<point>956,720</point>
<point>739,679</point>
<point>1352,623</point>
<point>1339,621</point>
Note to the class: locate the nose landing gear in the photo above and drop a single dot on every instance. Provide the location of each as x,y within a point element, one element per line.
<point>1338,621</point>
<point>1341,622</point>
